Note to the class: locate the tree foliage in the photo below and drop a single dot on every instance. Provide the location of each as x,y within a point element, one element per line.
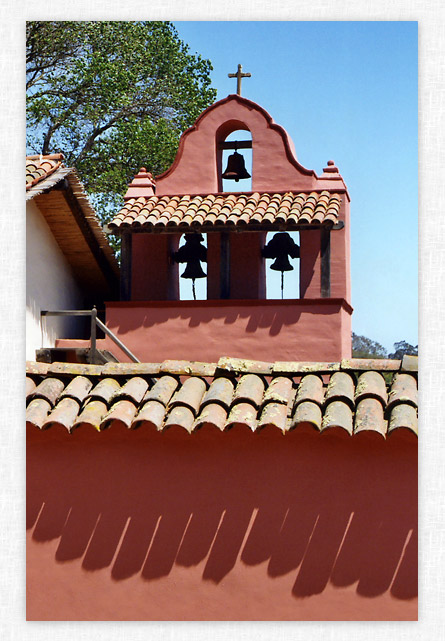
<point>111,96</point>
<point>403,348</point>
<point>363,347</point>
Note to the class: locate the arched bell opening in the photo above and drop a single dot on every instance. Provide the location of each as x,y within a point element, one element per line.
<point>234,157</point>
<point>281,252</point>
<point>192,259</point>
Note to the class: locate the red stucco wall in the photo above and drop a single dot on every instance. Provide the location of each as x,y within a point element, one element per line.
<point>298,330</point>
<point>219,526</point>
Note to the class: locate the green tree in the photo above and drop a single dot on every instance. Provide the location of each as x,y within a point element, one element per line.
<point>111,96</point>
<point>401,348</point>
<point>363,347</point>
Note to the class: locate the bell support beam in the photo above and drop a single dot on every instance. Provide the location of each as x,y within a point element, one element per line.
<point>325,276</point>
<point>126,260</point>
<point>225,265</point>
<point>235,144</point>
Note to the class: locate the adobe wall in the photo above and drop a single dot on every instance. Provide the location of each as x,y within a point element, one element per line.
<point>297,330</point>
<point>136,525</point>
<point>50,285</point>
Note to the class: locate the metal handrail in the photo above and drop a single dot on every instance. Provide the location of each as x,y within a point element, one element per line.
<point>95,322</point>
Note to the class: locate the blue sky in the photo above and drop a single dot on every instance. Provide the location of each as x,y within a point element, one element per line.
<point>345,91</point>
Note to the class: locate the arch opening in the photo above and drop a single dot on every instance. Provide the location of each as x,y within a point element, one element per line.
<point>291,279</point>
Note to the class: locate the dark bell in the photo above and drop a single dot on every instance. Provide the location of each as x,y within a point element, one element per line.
<point>193,270</point>
<point>236,169</point>
<point>282,264</point>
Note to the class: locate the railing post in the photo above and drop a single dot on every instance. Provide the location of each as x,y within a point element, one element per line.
<point>93,335</point>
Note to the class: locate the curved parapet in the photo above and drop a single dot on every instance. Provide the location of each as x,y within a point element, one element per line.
<point>197,165</point>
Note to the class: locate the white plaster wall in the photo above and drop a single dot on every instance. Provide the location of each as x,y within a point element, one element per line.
<point>50,285</point>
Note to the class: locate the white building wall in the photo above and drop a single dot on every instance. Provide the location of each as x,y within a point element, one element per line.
<point>50,285</point>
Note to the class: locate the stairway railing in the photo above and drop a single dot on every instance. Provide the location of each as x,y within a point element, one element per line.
<point>95,322</point>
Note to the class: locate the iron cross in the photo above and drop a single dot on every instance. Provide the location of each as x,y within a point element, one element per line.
<point>238,75</point>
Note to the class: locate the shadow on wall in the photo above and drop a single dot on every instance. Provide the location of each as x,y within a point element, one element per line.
<point>256,316</point>
<point>339,511</point>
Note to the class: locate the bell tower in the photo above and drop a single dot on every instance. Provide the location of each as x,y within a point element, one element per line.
<point>184,224</point>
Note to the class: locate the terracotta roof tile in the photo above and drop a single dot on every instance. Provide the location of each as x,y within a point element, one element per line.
<point>313,396</point>
<point>371,385</point>
<point>37,411</point>
<point>307,414</point>
<point>244,414</point>
<point>369,416</point>
<point>92,414</point>
<point>229,209</point>
<point>65,413</point>
<point>212,414</point>
<point>104,390</point>
<point>250,388</point>
<point>162,390</point>
<point>310,389</point>
<point>403,390</point>
<point>274,415</point>
<point>122,411</point>
<point>337,414</point>
<point>341,387</point>
<point>180,416</point>
<point>152,414</point>
<point>219,392</point>
<point>77,389</point>
<point>39,167</point>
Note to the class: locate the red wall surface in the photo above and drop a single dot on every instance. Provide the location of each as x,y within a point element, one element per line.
<point>297,330</point>
<point>138,525</point>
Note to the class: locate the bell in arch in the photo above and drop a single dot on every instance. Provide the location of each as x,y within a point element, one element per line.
<point>192,253</point>
<point>236,169</point>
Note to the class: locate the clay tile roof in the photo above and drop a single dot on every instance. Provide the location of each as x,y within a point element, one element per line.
<point>39,168</point>
<point>155,213</point>
<point>335,398</point>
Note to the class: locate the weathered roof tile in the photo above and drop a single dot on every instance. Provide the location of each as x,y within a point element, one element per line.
<point>162,390</point>
<point>180,416</point>
<point>337,415</point>
<point>340,387</point>
<point>220,391</point>
<point>104,390</point>
<point>307,414</point>
<point>280,390</point>
<point>65,413</point>
<point>403,390</point>
<point>243,414</point>
<point>249,389</point>
<point>151,414</point>
<point>369,416</point>
<point>77,389</point>
<point>371,385</point>
<point>49,389</point>
<point>37,411</point>
<point>403,416</point>
<point>190,394</point>
<point>212,414</point>
<point>92,414</point>
<point>310,389</point>
<point>326,399</point>
<point>274,414</point>
<point>122,411</point>
<point>133,390</point>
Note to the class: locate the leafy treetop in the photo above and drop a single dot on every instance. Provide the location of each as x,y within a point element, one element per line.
<point>112,96</point>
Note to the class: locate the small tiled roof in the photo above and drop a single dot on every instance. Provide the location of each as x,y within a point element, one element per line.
<point>72,221</point>
<point>39,168</point>
<point>214,210</point>
<point>350,398</point>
